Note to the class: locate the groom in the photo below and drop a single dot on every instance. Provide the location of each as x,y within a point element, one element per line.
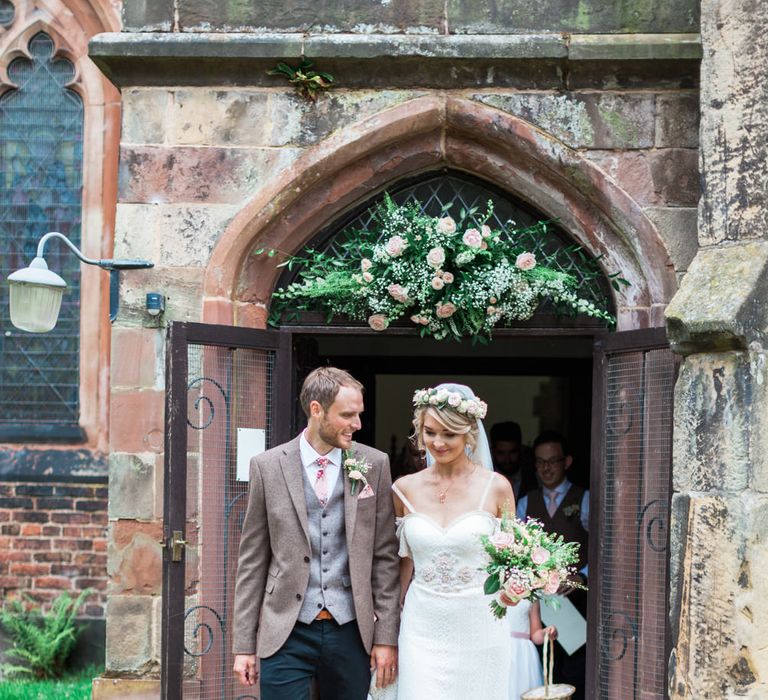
<point>317,580</point>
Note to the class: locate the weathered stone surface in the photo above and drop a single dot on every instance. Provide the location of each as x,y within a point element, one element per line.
<point>199,116</point>
<point>129,635</point>
<point>145,111</point>
<point>181,286</point>
<point>131,485</point>
<point>677,121</point>
<point>503,16</point>
<point>138,356</point>
<point>678,228</point>
<point>734,126</point>
<point>294,121</point>
<point>588,120</point>
<point>718,594</point>
<point>721,301</point>
<point>418,16</point>
<point>125,689</point>
<point>136,421</point>
<point>150,174</point>
<point>136,232</point>
<point>187,234</point>
<point>135,558</point>
<point>148,15</point>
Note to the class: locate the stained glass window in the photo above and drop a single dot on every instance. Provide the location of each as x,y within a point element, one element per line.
<point>7,12</point>
<point>41,134</point>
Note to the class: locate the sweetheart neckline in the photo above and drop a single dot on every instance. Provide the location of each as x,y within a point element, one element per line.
<point>445,528</point>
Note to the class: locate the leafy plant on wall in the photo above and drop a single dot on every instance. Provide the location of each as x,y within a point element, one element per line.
<point>308,83</point>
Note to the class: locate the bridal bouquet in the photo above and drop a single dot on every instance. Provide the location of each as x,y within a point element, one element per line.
<point>527,562</point>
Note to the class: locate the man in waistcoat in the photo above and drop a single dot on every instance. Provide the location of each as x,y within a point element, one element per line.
<point>563,508</point>
<point>317,588</point>
<point>511,458</point>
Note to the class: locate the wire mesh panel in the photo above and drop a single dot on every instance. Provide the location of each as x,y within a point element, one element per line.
<point>229,417</point>
<point>41,135</point>
<point>634,518</point>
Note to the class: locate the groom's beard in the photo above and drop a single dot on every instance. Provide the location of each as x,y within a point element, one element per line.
<point>333,437</point>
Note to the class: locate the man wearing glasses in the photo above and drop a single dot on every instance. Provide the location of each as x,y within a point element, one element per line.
<point>563,508</point>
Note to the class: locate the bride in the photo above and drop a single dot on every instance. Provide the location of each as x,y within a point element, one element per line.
<point>451,646</point>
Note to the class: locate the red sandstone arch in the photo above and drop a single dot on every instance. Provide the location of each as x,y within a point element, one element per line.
<point>424,134</point>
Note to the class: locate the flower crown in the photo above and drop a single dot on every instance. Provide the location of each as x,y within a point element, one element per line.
<point>442,399</point>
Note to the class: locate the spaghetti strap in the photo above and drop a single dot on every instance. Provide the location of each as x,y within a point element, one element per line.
<point>485,492</point>
<point>405,501</point>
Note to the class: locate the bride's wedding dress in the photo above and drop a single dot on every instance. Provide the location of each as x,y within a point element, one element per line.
<point>451,646</point>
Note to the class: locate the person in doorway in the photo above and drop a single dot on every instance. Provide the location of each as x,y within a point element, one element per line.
<point>317,590</point>
<point>563,508</point>
<point>511,458</point>
<point>451,646</point>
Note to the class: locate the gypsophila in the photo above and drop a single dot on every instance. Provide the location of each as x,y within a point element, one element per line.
<point>449,278</point>
<point>355,468</point>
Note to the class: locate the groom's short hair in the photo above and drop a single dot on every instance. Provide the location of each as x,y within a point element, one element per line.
<point>323,384</point>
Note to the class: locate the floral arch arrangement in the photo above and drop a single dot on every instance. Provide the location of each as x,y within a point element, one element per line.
<point>452,278</point>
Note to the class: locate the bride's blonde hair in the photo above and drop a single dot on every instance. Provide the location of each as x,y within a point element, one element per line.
<point>456,422</point>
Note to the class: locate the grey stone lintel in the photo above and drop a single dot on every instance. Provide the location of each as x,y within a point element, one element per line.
<point>126,56</point>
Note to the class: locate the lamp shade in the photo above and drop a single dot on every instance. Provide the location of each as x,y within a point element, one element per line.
<point>35,297</point>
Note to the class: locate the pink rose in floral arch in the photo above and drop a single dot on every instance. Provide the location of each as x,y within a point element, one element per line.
<point>437,283</point>
<point>539,555</point>
<point>398,293</point>
<point>395,246</point>
<point>436,257</point>
<point>446,225</point>
<point>472,238</point>
<point>378,322</point>
<point>448,277</point>
<point>445,310</point>
<point>525,261</point>
<point>486,231</point>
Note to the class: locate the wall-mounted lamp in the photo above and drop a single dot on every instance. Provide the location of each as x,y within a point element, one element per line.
<point>36,292</point>
<point>155,303</point>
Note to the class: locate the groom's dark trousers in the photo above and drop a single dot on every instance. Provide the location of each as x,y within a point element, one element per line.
<point>333,654</point>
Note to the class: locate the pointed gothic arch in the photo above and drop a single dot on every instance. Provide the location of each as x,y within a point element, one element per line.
<point>421,135</point>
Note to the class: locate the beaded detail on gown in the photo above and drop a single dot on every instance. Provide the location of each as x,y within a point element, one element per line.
<point>450,646</point>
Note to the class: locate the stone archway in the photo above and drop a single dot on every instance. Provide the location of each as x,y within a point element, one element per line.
<point>425,134</point>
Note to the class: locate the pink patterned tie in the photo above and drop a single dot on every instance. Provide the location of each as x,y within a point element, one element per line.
<point>321,485</point>
<point>552,505</point>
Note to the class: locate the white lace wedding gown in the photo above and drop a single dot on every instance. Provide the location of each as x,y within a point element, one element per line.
<point>526,665</point>
<point>451,646</point>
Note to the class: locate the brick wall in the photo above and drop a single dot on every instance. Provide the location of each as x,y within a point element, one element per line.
<point>53,538</point>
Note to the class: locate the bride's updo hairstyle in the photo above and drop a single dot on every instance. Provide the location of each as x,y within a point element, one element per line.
<point>453,410</point>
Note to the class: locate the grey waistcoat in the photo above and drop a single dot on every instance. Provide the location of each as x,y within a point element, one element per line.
<point>329,584</point>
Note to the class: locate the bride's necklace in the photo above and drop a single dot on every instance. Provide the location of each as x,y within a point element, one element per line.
<point>443,494</point>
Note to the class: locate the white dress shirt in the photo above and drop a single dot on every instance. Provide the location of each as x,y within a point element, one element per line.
<point>309,461</point>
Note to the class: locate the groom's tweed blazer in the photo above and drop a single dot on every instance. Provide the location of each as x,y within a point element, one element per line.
<point>275,553</point>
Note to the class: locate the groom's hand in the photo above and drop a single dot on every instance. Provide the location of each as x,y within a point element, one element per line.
<point>384,662</point>
<point>245,668</point>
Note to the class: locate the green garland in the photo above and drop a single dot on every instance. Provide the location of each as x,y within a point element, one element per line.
<point>451,279</point>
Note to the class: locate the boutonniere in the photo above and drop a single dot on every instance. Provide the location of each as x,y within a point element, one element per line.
<point>355,468</point>
<point>572,510</point>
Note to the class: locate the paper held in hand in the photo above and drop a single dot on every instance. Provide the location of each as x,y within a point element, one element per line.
<point>571,626</point>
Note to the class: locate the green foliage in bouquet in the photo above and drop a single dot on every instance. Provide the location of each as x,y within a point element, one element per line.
<point>452,279</point>
<point>527,562</point>
<point>41,641</point>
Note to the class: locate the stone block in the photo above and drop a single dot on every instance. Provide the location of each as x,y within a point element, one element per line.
<point>677,120</point>
<point>135,560</point>
<point>187,234</point>
<point>129,635</point>
<point>584,120</point>
<point>145,111</point>
<point>153,174</point>
<point>181,286</point>
<point>711,447</point>
<point>295,121</point>
<point>208,117</point>
<point>721,622</point>
<point>137,358</point>
<point>136,421</point>
<point>577,16</point>
<point>135,232</point>
<point>720,304</point>
<point>420,16</point>
<point>678,228</point>
<point>148,15</point>
<point>125,689</point>
<point>131,486</point>
<point>632,172</point>
<point>675,173</point>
